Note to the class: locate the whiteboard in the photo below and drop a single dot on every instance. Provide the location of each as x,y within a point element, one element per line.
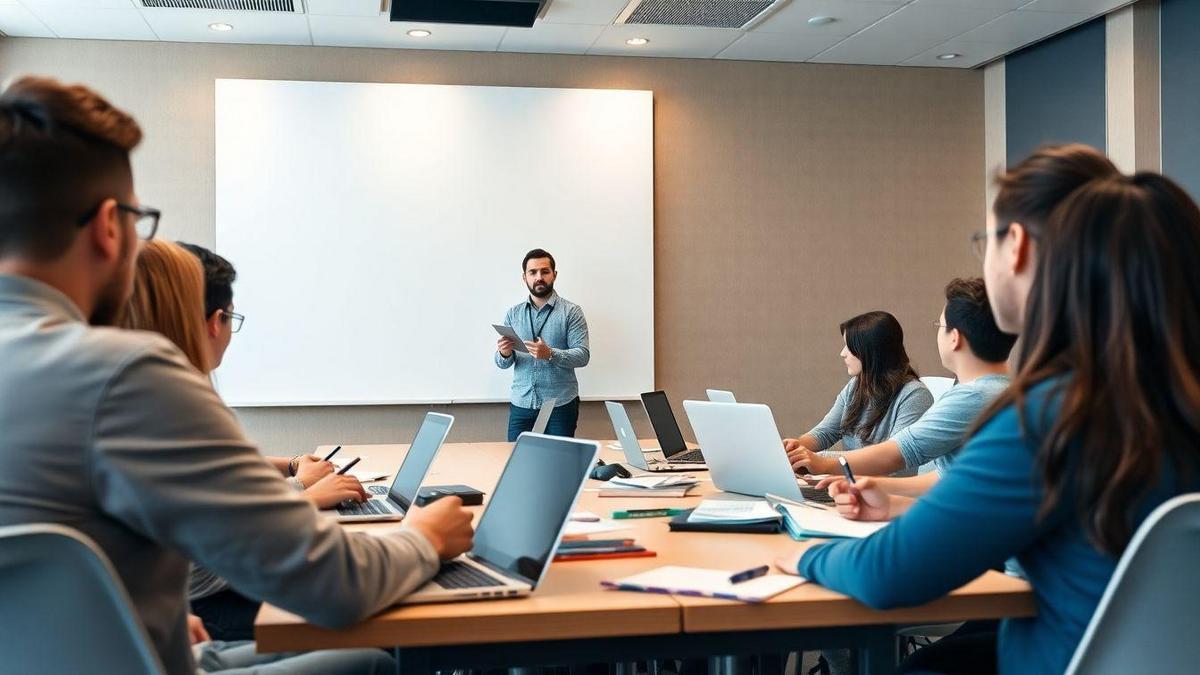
<point>378,231</point>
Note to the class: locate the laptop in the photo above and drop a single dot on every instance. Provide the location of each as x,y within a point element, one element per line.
<point>399,498</point>
<point>543,418</point>
<point>720,396</point>
<point>670,440</point>
<point>745,451</point>
<point>519,531</point>
<point>646,460</point>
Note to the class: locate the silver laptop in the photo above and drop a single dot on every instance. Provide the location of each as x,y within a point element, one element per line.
<point>745,452</point>
<point>647,460</point>
<point>519,531</point>
<point>720,396</point>
<point>543,418</point>
<point>399,498</point>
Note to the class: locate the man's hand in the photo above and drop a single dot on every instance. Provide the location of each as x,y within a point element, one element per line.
<point>505,346</point>
<point>446,524</point>
<point>791,444</point>
<point>864,500</point>
<point>196,632</point>
<point>803,458</point>
<point>334,489</point>
<point>539,349</point>
<point>310,469</point>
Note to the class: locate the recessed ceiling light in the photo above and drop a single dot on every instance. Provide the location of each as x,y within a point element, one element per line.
<point>820,20</point>
<point>637,42</point>
<point>947,57</point>
<point>221,27</point>
<point>419,33</point>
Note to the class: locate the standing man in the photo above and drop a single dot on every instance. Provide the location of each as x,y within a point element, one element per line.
<point>556,335</point>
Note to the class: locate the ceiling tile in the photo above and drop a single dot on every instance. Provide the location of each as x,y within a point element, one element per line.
<point>16,21</point>
<point>97,24</point>
<point>585,12</point>
<point>979,4</point>
<point>343,7</point>
<point>851,17</point>
<point>36,5</point>
<point>920,21</point>
<point>971,54</point>
<point>777,47</point>
<point>1095,7</point>
<point>1017,29</point>
<point>191,25</point>
<point>668,41</point>
<point>883,50</point>
<point>344,31</point>
<point>550,38</point>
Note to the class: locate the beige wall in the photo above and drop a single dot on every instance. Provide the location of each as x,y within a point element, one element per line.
<point>788,197</point>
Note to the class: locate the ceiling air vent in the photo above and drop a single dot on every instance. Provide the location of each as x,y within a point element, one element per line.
<point>705,13</point>
<point>231,5</point>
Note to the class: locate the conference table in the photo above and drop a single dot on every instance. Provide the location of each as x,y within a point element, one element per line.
<point>571,620</point>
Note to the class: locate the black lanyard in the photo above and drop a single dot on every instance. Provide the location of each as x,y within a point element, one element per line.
<point>537,333</point>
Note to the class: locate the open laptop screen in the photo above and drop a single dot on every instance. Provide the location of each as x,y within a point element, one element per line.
<point>420,455</point>
<point>531,504</point>
<point>658,408</point>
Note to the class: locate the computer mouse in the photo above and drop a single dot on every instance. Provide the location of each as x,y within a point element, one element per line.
<point>608,472</point>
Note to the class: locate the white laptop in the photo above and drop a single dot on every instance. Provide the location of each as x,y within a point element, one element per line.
<point>720,396</point>
<point>399,498</point>
<point>543,418</point>
<point>745,451</point>
<point>519,531</point>
<point>647,460</point>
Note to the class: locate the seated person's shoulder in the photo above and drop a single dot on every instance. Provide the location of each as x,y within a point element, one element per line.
<point>117,348</point>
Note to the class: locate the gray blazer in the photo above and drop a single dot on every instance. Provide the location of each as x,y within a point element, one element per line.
<point>113,433</point>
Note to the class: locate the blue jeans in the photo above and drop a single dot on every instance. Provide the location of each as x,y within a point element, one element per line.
<point>563,420</point>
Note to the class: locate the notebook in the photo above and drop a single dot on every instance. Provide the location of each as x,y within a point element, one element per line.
<point>706,583</point>
<point>734,511</point>
<point>682,524</point>
<point>808,521</point>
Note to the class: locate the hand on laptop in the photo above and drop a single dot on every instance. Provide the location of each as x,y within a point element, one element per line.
<point>803,458</point>
<point>310,469</point>
<point>446,524</point>
<point>334,489</point>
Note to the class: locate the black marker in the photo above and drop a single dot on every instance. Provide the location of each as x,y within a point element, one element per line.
<point>346,468</point>
<point>846,469</point>
<point>332,453</point>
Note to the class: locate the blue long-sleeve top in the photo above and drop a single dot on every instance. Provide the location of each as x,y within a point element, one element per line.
<point>983,511</point>
<point>561,325</point>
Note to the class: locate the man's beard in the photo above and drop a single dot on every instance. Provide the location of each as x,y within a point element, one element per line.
<point>111,302</point>
<point>543,292</point>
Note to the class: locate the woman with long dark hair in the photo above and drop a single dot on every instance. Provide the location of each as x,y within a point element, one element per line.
<point>883,396</point>
<point>1099,427</point>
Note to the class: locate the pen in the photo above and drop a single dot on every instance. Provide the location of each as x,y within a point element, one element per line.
<point>846,469</point>
<point>346,468</point>
<point>647,513</point>
<point>332,453</point>
<point>749,574</point>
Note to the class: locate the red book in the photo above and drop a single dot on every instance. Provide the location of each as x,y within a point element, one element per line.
<point>605,556</point>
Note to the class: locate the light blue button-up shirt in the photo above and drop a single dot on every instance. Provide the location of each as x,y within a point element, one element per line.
<point>561,325</point>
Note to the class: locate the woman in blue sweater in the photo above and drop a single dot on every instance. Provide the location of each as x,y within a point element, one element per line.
<point>1098,428</point>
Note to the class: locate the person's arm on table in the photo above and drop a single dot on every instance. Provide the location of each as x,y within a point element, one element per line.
<point>906,486</point>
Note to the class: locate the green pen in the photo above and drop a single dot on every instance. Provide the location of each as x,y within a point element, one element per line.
<point>647,513</point>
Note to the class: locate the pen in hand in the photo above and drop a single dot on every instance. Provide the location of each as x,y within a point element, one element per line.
<point>348,466</point>
<point>846,469</point>
<point>332,453</point>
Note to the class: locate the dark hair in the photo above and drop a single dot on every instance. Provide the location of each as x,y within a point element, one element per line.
<point>969,312</point>
<point>1112,321</point>
<point>876,339</point>
<point>63,151</point>
<point>1029,191</point>
<point>219,276</point>
<point>534,255</point>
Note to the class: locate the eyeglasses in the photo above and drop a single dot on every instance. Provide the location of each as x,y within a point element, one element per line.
<point>146,224</point>
<point>979,244</point>
<point>235,320</point>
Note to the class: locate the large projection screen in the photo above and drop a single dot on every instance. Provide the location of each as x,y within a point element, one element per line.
<point>378,231</point>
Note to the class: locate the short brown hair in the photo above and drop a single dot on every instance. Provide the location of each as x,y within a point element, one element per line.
<point>63,150</point>
<point>168,298</point>
<point>969,312</point>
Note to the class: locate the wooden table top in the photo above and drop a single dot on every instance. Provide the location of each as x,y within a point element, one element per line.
<point>570,603</point>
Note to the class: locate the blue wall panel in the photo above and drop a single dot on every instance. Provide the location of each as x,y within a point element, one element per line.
<point>1180,44</point>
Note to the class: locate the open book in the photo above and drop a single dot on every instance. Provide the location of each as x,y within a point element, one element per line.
<point>808,521</point>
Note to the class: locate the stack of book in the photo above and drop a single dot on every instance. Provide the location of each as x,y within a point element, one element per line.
<point>650,486</point>
<point>743,515</point>
<point>600,549</point>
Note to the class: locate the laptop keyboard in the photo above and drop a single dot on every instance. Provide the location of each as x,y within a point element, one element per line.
<point>371,507</point>
<point>460,575</point>
<point>812,494</point>
<point>693,457</point>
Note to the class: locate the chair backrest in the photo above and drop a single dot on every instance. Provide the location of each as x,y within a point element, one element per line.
<point>63,609</point>
<point>938,386</point>
<point>1145,621</point>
